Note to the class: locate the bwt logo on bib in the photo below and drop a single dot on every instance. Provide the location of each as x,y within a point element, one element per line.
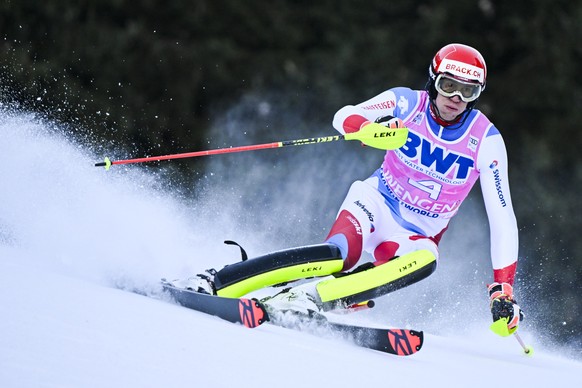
<point>436,158</point>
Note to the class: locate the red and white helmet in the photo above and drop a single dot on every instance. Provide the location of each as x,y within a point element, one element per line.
<point>460,61</point>
<point>456,70</point>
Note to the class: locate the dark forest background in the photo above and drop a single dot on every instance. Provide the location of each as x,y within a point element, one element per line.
<point>150,77</point>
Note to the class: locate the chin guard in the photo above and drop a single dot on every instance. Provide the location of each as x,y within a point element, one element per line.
<point>500,328</point>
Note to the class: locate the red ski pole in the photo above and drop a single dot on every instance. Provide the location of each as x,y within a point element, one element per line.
<point>373,135</point>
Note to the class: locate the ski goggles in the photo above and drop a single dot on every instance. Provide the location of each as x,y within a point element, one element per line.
<point>450,87</point>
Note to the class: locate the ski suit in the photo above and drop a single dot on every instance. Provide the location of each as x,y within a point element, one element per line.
<point>407,204</point>
<point>401,210</point>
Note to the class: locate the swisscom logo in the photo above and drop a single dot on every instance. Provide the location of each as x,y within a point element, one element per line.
<point>498,187</point>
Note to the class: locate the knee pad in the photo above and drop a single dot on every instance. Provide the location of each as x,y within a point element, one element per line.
<point>376,281</point>
<point>238,279</point>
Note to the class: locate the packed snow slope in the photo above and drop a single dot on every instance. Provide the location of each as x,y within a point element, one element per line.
<point>71,235</point>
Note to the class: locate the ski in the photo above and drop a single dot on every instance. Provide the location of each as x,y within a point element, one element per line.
<point>399,342</point>
<point>248,312</point>
<point>252,313</point>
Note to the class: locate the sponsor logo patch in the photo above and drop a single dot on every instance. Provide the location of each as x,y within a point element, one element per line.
<point>498,188</point>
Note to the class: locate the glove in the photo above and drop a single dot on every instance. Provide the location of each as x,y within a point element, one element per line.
<point>506,313</point>
<point>390,122</point>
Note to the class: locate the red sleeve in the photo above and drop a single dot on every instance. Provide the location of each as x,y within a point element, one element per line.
<point>505,274</point>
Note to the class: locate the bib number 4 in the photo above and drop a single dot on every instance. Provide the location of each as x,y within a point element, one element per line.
<point>432,188</point>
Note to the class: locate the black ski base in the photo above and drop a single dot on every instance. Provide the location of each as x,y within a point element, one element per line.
<point>252,313</point>
<point>248,312</point>
<point>399,342</point>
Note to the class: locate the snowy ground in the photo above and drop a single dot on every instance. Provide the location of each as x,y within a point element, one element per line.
<point>61,331</point>
<point>69,232</point>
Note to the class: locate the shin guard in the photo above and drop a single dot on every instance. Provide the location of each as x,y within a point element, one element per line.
<point>238,279</point>
<point>376,281</point>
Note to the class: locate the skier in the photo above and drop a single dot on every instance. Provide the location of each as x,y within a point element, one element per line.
<point>399,214</point>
